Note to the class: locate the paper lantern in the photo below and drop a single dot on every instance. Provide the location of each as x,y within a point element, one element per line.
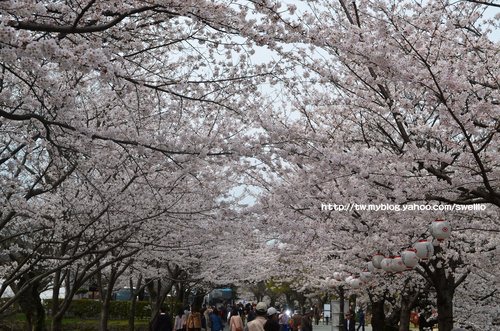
<point>337,276</point>
<point>376,259</point>
<point>397,264</point>
<point>355,282</point>
<point>410,258</point>
<point>440,229</point>
<point>424,249</point>
<point>386,264</point>
<point>332,283</point>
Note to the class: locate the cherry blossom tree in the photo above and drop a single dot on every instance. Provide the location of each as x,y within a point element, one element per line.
<point>125,125</point>
<point>391,103</point>
<point>121,128</point>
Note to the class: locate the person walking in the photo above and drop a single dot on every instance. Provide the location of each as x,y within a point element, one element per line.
<point>206,315</point>
<point>162,321</point>
<point>251,314</point>
<point>180,320</point>
<point>295,321</point>
<point>215,320</point>
<point>193,322</point>
<point>361,320</point>
<point>235,321</point>
<point>306,322</point>
<point>272,323</point>
<point>284,320</point>
<point>350,322</point>
<point>257,324</point>
<point>317,314</point>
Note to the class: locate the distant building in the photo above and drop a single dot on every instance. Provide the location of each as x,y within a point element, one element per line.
<point>219,296</point>
<point>124,294</point>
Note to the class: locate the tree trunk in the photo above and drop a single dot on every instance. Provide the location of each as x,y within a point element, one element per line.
<point>198,300</point>
<point>58,315</point>
<point>31,305</point>
<point>288,299</point>
<point>133,302</point>
<point>409,299</point>
<point>444,295</point>
<point>445,290</point>
<point>56,322</point>
<point>404,317</point>
<point>378,315</point>
<point>342,312</point>
<point>103,325</point>
<point>106,300</point>
<point>153,289</point>
<point>61,306</point>
<point>40,314</point>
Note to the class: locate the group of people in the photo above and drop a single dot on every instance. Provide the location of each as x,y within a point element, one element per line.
<point>192,319</point>
<point>270,319</point>
<point>185,320</point>
<point>251,318</point>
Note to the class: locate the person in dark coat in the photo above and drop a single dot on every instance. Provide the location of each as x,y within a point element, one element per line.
<point>272,323</point>
<point>306,323</point>
<point>162,321</point>
<point>361,320</point>
<point>350,322</point>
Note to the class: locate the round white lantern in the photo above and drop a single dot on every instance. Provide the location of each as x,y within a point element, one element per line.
<point>377,259</point>
<point>410,258</point>
<point>355,282</point>
<point>397,264</point>
<point>332,283</point>
<point>337,276</point>
<point>440,229</point>
<point>370,266</point>
<point>424,249</point>
<point>386,264</point>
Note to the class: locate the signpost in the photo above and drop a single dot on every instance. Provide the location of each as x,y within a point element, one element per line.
<point>326,313</point>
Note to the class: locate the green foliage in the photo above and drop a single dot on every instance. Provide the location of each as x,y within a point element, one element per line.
<point>18,323</point>
<point>90,309</point>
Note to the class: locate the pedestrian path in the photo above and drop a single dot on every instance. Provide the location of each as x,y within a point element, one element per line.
<point>323,327</point>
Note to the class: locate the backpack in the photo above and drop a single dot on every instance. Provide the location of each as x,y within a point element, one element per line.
<point>194,321</point>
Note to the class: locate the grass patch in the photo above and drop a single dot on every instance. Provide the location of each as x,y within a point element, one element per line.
<point>17,322</point>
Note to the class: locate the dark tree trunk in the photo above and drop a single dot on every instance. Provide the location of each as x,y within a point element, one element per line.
<point>445,286</point>
<point>56,320</point>
<point>288,299</point>
<point>404,317</point>
<point>342,312</point>
<point>444,295</point>
<point>133,301</point>
<point>31,305</point>
<point>198,300</point>
<point>378,315</point>
<point>409,299</point>
<point>106,295</point>
<point>153,289</point>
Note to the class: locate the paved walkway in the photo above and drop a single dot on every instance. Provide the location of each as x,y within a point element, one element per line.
<point>322,327</point>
